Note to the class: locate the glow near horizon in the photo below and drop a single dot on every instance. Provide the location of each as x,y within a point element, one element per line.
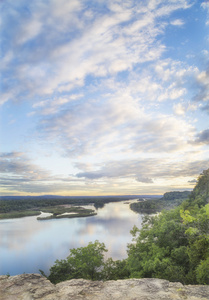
<point>103,97</point>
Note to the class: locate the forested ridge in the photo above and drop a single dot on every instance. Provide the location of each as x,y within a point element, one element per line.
<point>168,201</point>
<point>172,245</point>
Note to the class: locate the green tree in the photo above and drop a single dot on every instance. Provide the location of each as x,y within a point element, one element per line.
<point>159,248</point>
<point>202,272</point>
<point>196,221</point>
<point>115,269</point>
<point>61,271</point>
<point>84,262</point>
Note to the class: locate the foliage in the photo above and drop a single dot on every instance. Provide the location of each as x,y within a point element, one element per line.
<point>114,270</point>
<point>176,195</point>
<point>99,204</point>
<point>88,263</point>
<point>175,244</point>
<point>19,214</point>
<point>61,271</point>
<point>148,206</point>
<point>159,248</point>
<point>200,193</point>
<point>85,262</point>
<point>202,272</point>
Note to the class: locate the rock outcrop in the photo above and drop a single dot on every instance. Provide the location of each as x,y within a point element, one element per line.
<point>34,286</point>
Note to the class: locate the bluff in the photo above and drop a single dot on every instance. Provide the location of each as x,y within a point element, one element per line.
<point>34,286</point>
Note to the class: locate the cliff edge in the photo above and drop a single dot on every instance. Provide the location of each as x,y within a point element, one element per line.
<point>35,286</point>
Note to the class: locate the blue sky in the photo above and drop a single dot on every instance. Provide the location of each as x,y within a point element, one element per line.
<point>103,97</point>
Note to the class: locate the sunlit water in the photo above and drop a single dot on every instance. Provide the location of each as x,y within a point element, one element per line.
<point>27,245</point>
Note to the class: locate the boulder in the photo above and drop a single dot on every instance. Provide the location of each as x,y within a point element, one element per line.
<point>35,286</point>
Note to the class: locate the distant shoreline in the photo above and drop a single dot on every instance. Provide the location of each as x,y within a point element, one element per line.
<point>18,207</point>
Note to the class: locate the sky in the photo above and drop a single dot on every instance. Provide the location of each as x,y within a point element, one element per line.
<point>103,97</point>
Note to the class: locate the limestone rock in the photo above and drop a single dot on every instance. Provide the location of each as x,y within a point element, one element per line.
<point>34,286</point>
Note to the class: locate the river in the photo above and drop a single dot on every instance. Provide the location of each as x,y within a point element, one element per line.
<point>27,245</point>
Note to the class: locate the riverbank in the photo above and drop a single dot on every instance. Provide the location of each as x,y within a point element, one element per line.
<point>56,212</point>
<point>17,207</point>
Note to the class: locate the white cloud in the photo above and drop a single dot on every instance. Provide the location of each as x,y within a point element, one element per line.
<point>147,170</point>
<point>64,8</point>
<point>179,109</point>
<point>20,174</point>
<point>177,22</point>
<point>27,177</point>
<point>6,97</point>
<point>104,92</point>
<point>71,46</point>
<point>202,83</point>
<point>7,59</point>
<point>30,30</point>
<point>52,106</point>
<point>205,6</point>
<point>116,124</point>
<point>18,165</point>
<point>203,78</point>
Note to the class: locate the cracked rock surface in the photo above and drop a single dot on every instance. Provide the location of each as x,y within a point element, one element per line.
<point>35,286</point>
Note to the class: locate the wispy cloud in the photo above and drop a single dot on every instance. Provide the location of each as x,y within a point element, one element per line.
<point>119,90</point>
<point>112,125</point>
<point>146,170</point>
<point>17,164</point>
<point>205,5</point>
<point>99,44</point>
<point>19,173</point>
<point>177,22</point>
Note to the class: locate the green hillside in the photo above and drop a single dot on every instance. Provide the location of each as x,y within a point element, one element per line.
<point>168,201</point>
<point>175,244</point>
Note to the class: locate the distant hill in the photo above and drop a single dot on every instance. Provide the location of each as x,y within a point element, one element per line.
<point>176,195</point>
<point>168,201</point>
<point>42,197</point>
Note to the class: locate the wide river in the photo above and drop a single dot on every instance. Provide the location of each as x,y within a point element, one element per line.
<point>27,245</point>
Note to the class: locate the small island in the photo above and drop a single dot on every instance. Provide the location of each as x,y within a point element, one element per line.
<point>59,212</point>
<point>53,212</point>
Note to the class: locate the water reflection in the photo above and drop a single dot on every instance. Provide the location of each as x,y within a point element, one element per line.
<point>27,245</point>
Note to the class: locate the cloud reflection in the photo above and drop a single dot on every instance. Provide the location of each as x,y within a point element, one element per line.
<point>28,245</point>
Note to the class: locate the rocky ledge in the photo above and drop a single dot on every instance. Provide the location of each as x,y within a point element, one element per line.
<point>34,286</point>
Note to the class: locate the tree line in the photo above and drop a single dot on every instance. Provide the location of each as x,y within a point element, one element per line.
<point>17,204</point>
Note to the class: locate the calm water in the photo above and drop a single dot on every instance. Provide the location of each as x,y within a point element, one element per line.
<point>27,245</point>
